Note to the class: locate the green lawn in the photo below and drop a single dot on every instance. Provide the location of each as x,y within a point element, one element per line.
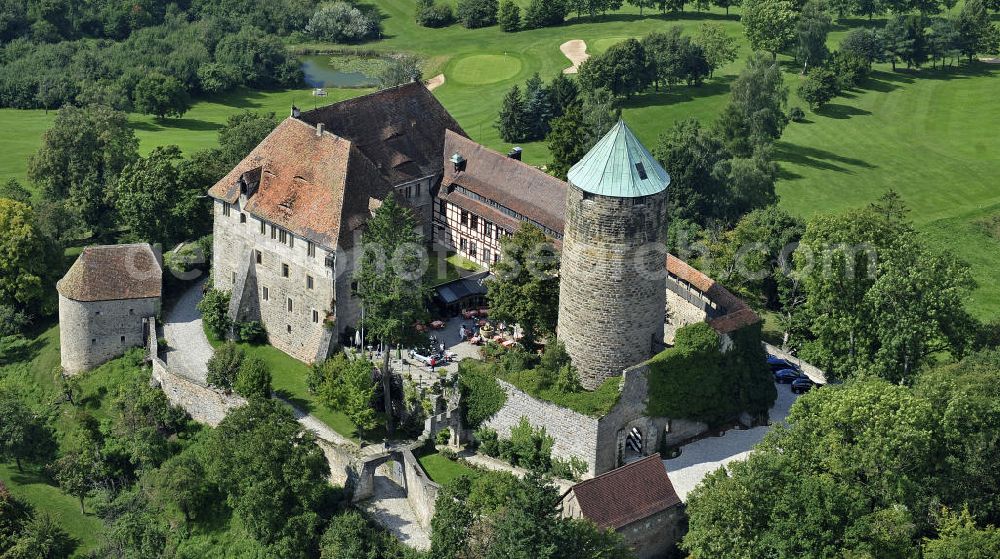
<point>288,379</point>
<point>441,469</point>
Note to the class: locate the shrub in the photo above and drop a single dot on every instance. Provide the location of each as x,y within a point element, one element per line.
<point>252,332</point>
<point>434,15</point>
<point>449,454</point>
<point>509,16</point>
<point>489,443</point>
<point>253,380</point>
<point>214,307</point>
<point>443,436</point>
<point>570,469</point>
<point>224,365</point>
<point>796,114</point>
<point>530,447</point>
<point>477,13</point>
<point>341,22</point>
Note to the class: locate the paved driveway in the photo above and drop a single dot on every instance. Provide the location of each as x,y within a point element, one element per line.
<point>188,350</point>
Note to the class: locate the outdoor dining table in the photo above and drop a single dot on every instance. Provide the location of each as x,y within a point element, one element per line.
<point>437,325</point>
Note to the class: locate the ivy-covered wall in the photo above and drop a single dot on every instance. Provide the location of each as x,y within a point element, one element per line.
<point>694,380</point>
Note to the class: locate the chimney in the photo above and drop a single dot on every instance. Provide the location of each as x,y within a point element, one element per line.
<point>296,113</point>
<point>515,153</point>
<point>458,161</point>
<point>319,129</point>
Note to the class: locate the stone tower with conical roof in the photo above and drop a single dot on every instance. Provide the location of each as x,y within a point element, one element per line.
<point>612,295</point>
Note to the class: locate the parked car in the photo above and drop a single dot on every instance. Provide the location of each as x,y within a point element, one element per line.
<point>776,364</point>
<point>786,376</point>
<point>425,357</point>
<point>802,385</point>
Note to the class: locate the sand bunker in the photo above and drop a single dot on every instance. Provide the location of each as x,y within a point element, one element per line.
<point>576,52</point>
<point>435,82</point>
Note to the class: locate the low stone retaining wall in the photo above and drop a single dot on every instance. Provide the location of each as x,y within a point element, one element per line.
<point>403,468</point>
<point>814,373</point>
<point>421,492</point>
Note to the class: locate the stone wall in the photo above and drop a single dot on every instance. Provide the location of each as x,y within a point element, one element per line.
<point>656,536</point>
<point>94,332</point>
<point>575,434</point>
<point>202,403</point>
<point>681,311</point>
<point>612,295</point>
<point>298,331</point>
<point>421,492</point>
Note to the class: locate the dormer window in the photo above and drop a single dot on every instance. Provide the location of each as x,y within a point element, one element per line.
<point>458,161</point>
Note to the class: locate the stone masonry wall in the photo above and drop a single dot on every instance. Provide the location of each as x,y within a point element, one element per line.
<point>94,332</point>
<point>680,312</point>
<point>421,492</point>
<point>613,282</point>
<point>575,434</point>
<point>298,331</point>
<point>202,403</point>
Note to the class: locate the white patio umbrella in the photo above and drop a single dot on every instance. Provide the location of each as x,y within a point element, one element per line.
<point>357,338</point>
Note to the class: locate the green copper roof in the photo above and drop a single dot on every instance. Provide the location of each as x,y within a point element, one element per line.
<point>619,165</point>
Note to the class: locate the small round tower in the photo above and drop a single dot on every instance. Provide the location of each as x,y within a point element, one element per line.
<point>612,294</point>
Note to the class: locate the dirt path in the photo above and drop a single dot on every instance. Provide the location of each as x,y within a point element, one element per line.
<point>435,82</point>
<point>576,52</point>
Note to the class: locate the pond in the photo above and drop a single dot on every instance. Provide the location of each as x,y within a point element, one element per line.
<point>324,70</point>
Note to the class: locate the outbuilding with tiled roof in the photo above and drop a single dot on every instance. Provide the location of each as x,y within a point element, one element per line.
<point>107,301</point>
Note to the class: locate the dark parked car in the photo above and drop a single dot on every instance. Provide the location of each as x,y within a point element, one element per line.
<point>786,376</point>
<point>802,384</point>
<point>776,364</point>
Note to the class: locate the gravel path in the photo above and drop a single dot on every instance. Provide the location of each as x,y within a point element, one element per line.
<point>576,52</point>
<point>707,455</point>
<point>188,350</point>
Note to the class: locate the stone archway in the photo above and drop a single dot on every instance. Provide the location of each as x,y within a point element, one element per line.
<point>635,441</point>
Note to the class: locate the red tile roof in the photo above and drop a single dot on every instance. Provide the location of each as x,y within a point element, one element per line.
<point>323,186</point>
<point>112,272</point>
<point>737,313</point>
<point>509,182</point>
<point>627,494</point>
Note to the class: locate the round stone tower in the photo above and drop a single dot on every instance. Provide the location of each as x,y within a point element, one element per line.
<point>612,294</point>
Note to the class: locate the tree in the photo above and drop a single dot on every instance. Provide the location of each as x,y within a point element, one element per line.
<point>253,380</point>
<point>509,16</point>
<point>866,309</point>
<point>512,121</point>
<point>146,193</point>
<point>719,47</point>
<point>214,309</point>
<point>943,41</point>
<point>769,25</point>
<point>398,69</point>
<point>538,110</point>
<point>81,156</point>
<point>434,15</point>
<point>622,69</point>
<point>690,154</point>
<point>525,290</point>
<point>24,436</point>
<point>12,190</point>
<point>819,87</point>
<point>181,482</point>
<point>390,284</point>
<point>959,538</point>
<point>865,43</point>
<point>224,366</point>
<point>563,92</point>
<point>259,58</point>
<point>976,32</point>
<point>273,475</point>
<point>241,133</point>
<point>903,38</point>
<point>29,260</point>
<point>754,258</point>
<point>583,123</point>
<point>77,469</point>
<point>812,29</point>
<point>160,95</point>
<point>340,22</point>
<point>641,4</point>
<point>351,536</point>
<point>42,538</point>
<point>347,386</point>
<point>477,13</point>
<point>755,115</point>
<point>726,4</point>
<point>545,13</point>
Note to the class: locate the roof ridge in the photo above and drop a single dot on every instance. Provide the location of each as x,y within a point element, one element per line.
<point>622,469</point>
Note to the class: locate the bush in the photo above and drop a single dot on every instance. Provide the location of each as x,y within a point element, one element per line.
<point>820,86</point>
<point>449,454</point>
<point>477,13</point>
<point>214,307</point>
<point>253,380</point>
<point>252,332</point>
<point>489,443</point>
<point>796,114</point>
<point>224,366</point>
<point>443,436</point>
<point>341,22</point>
<point>570,469</point>
<point>434,15</point>
<point>509,16</point>
<point>530,447</point>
